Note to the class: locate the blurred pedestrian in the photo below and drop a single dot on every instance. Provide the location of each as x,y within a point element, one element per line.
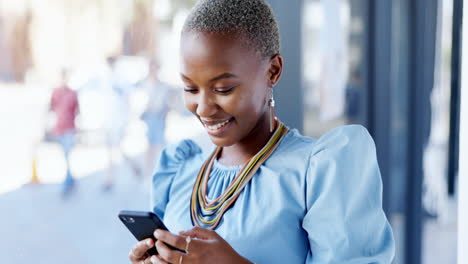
<point>64,103</point>
<point>155,114</point>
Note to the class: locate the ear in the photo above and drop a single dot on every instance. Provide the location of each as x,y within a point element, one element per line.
<point>275,70</point>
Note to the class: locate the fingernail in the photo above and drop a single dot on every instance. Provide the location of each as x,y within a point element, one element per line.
<point>148,243</point>
<point>157,233</point>
<point>153,259</point>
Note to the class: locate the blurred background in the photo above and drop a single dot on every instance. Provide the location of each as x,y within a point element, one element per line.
<point>90,94</point>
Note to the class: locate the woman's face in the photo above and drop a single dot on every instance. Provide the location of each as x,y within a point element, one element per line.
<point>226,85</point>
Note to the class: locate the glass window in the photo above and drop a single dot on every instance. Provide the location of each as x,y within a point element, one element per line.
<point>332,64</point>
<point>439,236</point>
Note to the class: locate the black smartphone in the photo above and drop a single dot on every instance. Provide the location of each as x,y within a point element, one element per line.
<point>142,225</point>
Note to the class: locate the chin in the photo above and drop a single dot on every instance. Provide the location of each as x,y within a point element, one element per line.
<point>222,141</point>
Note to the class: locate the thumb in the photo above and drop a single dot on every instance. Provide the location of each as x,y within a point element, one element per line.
<point>200,233</point>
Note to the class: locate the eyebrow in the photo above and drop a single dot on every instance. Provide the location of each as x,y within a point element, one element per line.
<point>223,76</point>
<point>217,78</point>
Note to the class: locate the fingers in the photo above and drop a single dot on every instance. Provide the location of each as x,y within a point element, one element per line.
<point>138,252</point>
<point>200,233</point>
<point>165,253</point>
<point>157,260</point>
<point>171,239</point>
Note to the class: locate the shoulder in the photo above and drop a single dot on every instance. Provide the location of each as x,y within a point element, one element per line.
<point>294,144</point>
<point>338,139</point>
<point>352,138</point>
<point>343,147</point>
<point>178,153</point>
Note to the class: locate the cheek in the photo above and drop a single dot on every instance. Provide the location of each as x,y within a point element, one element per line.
<point>246,105</point>
<point>190,103</point>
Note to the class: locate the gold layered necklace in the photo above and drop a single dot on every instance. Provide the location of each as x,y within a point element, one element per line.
<point>209,214</point>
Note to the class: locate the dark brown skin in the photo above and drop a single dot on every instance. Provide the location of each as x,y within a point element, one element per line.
<point>224,80</point>
<point>208,56</point>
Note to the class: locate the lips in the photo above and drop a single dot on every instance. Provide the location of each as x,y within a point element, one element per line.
<point>215,122</point>
<point>215,127</point>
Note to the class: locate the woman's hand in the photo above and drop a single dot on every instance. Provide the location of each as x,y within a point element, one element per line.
<point>206,247</point>
<point>138,253</point>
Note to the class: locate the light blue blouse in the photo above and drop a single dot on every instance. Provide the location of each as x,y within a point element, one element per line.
<point>312,201</point>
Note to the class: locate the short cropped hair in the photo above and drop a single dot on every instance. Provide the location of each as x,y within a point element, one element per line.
<point>253,20</point>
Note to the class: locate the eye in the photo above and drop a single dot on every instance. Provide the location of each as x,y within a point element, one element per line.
<point>225,90</point>
<point>190,89</point>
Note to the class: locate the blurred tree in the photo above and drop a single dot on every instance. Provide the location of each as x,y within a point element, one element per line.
<point>140,33</point>
<point>16,46</point>
<point>21,54</point>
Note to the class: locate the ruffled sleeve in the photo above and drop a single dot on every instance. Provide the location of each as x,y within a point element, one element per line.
<point>172,158</point>
<point>345,221</point>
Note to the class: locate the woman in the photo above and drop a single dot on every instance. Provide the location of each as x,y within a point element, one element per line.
<point>266,194</point>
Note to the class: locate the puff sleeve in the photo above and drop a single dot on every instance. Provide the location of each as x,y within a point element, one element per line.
<point>172,158</point>
<point>345,222</point>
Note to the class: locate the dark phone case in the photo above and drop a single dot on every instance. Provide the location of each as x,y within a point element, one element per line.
<point>142,225</point>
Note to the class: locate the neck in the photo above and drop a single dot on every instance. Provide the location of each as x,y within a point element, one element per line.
<point>240,152</point>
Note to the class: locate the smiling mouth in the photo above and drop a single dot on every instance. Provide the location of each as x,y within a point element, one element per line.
<point>217,127</point>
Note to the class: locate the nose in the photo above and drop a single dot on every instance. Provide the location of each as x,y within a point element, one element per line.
<point>206,105</point>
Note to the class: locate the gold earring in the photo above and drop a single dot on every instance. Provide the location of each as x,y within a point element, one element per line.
<point>271,104</point>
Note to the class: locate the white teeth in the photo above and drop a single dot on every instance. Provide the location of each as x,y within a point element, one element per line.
<point>218,126</point>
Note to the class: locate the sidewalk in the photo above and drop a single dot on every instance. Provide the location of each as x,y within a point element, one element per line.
<point>38,226</point>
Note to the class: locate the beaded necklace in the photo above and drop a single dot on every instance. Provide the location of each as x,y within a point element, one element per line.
<point>208,215</point>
